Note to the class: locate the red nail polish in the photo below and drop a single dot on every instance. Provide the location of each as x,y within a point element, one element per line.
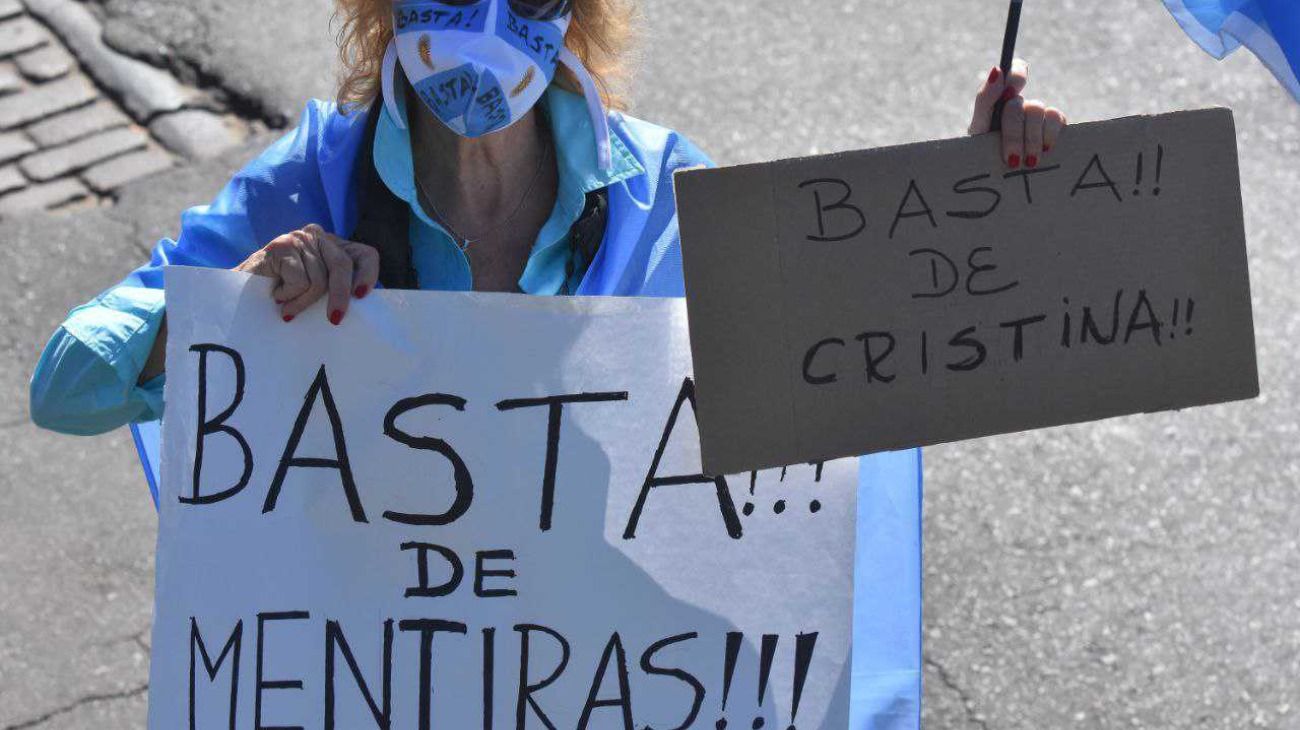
<point>1013,161</point>
<point>1031,161</point>
<point>1009,94</point>
<point>335,317</point>
<point>994,74</point>
<point>361,291</point>
<point>288,318</point>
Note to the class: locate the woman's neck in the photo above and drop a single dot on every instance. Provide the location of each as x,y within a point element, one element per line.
<point>475,182</point>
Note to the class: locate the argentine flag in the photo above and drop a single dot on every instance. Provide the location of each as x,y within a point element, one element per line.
<point>1270,28</point>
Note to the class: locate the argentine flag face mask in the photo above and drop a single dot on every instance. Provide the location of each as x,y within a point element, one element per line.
<point>481,65</point>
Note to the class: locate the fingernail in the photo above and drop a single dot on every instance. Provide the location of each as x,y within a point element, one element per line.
<point>1009,94</point>
<point>288,317</point>
<point>1031,161</point>
<point>994,74</point>
<point>362,291</point>
<point>335,317</point>
<point>1013,161</point>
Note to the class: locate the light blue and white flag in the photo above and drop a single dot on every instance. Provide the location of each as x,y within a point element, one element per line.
<point>1269,28</point>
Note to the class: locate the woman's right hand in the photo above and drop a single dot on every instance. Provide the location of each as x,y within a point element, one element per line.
<point>310,263</point>
<point>306,265</point>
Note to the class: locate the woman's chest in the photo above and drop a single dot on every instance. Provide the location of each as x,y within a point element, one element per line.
<point>496,261</point>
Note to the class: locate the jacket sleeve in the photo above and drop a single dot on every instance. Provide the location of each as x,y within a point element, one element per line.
<point>641,253</point>
<point>86,380</point>
<point>664,276</point>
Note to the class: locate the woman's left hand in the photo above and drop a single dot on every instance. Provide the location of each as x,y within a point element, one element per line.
<point>1029,127</point>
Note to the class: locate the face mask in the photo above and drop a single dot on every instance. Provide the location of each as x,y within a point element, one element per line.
<point>480,66</point>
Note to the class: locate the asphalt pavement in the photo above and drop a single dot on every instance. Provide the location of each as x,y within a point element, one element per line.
<point>1139,572</point>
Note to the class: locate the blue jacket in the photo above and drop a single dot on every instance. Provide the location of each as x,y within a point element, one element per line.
<point>306,177</point>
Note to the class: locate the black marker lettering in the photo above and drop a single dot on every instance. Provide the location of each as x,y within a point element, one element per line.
<point>653,481</point>
<point>320,389</point>
<point>480,573</point>
<point>463,482</point>
<point>614,650</point>
<point>648,666</point>
<point>808,359</point>
<point>962,187</point>
<point>527,688</point>
<point>428,628</point>
<point>1065,324</point>
<point>977,269</point>
<point>841,204</point>
<point>264,684</point>
<point>873,359</point>
<point>936,258</point>
<point>489,674</point>
<point>424,590</point>
<point>218,425</point>
<point>1026,173</point>
<point>903,213</point>
<point>555,415</point>
<point>231,649</point>
<point>1148,322</point>
<point>336,641</point>
<point>1106,181</point>
<point>1089,326</point>
<point>1019,325</point>
<point>964,339</point>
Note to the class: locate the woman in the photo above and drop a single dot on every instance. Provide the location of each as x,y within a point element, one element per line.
<point>503,189</point>
<point>471,148</point>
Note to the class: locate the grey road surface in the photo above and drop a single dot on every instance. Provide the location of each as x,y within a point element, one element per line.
<point>1141,572</point>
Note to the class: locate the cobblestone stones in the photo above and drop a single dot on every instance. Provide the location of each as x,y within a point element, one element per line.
<point>21,34</point>
<point>14,145</point>
<point>72,125</point>
<point>38,197</point>
<point>198,134</point>
<point>10,80</point>
<point>11,179</point>
<point>144,89</point>
<point>42,101</point>
<point>79,120</point>
<point>52,163</point>
<point>45,63</point>
<point>108,176</point>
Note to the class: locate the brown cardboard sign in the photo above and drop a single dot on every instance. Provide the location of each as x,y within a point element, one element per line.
<point>890,298</point>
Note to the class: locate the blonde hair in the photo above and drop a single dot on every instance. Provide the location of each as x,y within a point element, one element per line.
<point>599,34</point>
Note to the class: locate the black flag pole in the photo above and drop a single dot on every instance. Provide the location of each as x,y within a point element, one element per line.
<point>1008,55</point>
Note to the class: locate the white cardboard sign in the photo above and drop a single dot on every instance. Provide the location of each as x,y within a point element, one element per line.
<point>477,511</point>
